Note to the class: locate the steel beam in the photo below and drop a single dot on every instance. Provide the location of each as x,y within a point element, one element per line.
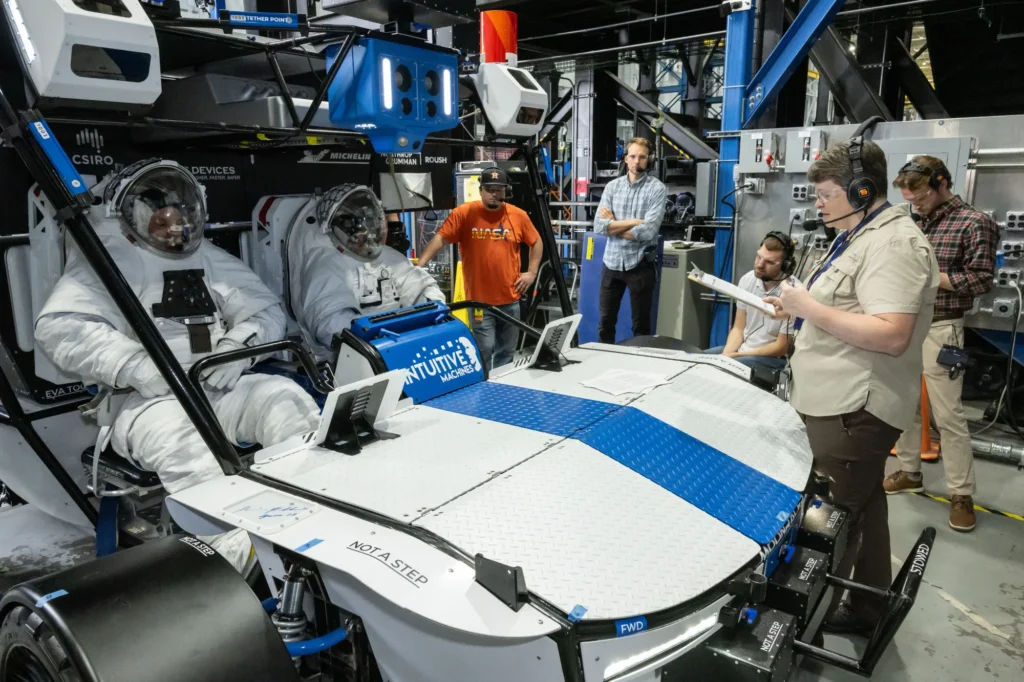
<point>794,46</point>
<point>915,83</point>
<point>676,133</point>
<point>739,47</point>
<point>560,113</point>
<point>838,68</point>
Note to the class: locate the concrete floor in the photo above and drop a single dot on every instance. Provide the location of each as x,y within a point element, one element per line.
<point>967,625</point>
<point>33,544</point>
<point>968,622</point>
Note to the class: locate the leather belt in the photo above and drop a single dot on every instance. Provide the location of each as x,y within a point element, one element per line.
<point>945,317</point>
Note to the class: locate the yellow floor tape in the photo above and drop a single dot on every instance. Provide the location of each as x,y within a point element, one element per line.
<point>939,498</point>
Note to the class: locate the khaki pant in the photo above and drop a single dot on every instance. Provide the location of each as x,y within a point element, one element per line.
<point>851,450</point>
<point>948,412</point>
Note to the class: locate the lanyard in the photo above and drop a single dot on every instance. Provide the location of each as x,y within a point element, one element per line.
<point>837,249</point>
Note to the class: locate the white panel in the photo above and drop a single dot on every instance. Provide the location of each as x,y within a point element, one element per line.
<point>67,435</point>
<point>402,569</point>
<point>410,649</point>
<point>19,284</point>
<point>608,657</point>
<point>741,420</point>
<point>590,364</point>
<point>588,531</point>
<point>438,456</point>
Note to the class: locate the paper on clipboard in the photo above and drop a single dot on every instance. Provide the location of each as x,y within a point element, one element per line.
<point>731,290</point>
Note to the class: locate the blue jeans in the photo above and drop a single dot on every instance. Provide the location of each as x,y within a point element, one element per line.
<point>752,360</point>
<point>496,337</point>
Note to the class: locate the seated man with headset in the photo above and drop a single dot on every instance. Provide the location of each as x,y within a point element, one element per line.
<point>755,339</point>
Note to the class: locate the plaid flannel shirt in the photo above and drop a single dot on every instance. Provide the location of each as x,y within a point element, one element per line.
<point>965,242</point>
<point>644,199</point>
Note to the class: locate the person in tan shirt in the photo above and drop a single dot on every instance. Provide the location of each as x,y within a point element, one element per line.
<point>860,323</point>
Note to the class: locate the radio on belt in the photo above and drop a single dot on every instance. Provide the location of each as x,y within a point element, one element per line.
<point>825,528</point>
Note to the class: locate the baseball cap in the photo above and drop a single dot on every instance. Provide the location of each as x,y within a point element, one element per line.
<point>494,176</point>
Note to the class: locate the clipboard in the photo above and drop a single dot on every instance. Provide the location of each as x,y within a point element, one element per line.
<point>731,290</point>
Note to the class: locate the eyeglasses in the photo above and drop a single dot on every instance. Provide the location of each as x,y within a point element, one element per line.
<point>825,196</point>
<point>759,258</point>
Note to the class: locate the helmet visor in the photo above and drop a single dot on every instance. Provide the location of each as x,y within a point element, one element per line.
<point>358,224</point>
<point>164,209</point>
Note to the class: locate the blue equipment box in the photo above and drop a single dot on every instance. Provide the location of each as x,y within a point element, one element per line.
<point>590,292</point>
<point>438,350</point>
<point>394,93</point>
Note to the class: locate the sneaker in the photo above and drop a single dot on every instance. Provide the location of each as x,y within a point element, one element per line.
<point>843,621</point>
<point>902,482</point>
<point>961,513</point>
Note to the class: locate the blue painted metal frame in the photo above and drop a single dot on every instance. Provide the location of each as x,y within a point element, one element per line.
<point>795,45</point>
<point>739,47</point>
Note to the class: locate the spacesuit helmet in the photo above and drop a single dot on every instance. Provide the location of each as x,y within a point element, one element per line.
<point>354,219</point>
<point>160,205</point>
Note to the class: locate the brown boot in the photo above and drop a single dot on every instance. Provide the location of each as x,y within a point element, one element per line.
<point>902,482</point>
<point>961,513</point>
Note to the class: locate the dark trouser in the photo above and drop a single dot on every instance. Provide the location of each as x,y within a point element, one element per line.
<point>851,450</point>
<point>640,281</point>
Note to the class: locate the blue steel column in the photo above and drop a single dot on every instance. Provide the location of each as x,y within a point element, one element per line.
<point>739,46</point>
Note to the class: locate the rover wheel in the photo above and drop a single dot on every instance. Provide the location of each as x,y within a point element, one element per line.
<point>29,652</point>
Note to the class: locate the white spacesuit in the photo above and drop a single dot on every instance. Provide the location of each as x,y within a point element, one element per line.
<point>339,267</point>
<point>202,300</point>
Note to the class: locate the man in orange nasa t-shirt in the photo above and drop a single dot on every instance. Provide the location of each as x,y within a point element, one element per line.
<point>489,233</point>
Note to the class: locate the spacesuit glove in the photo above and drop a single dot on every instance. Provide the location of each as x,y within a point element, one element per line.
<point>224,377</point>
<point>141,373</point>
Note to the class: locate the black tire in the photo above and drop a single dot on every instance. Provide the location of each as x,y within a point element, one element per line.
<point>29,651</point>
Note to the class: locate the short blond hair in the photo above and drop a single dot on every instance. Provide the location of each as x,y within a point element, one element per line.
<point>642,141</point>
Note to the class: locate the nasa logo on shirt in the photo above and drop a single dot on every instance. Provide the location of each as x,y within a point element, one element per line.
<point>495,234</point>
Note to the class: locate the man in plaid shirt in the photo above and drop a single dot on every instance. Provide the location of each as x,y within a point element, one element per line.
<point>632,208</point>
<point>964,240</point>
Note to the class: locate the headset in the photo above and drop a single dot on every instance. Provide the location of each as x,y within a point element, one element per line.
<point>935,177</point>
<point>788,251</point>
<point>862,191</point>
<point>652,160</point>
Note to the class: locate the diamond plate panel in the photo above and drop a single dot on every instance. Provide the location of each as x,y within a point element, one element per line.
<point>552,413</point>
<point>421,469</point>
<point>588,531</point>
<point>727,489</point>
<point>737,418</point>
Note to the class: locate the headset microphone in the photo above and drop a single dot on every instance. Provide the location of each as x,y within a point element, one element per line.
<point>829,222</point>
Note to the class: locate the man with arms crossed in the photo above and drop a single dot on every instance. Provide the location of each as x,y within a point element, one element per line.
<point>630,213</point>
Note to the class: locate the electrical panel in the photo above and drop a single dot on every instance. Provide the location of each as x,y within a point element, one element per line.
<point>803,147</point>
<point>707,189</point>
<point>758,152</point>
<point>955,152</point>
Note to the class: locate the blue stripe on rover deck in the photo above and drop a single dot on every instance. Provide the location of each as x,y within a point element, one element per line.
<point>743,498</point>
